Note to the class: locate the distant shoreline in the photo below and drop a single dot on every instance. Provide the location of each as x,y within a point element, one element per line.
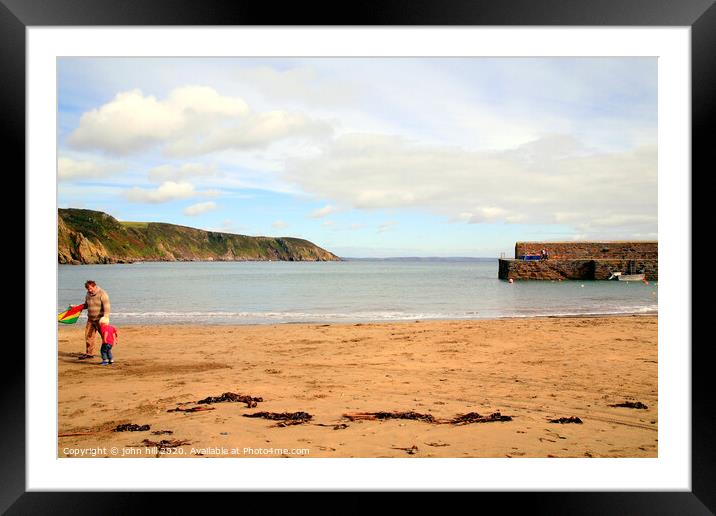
<point>342,259</point>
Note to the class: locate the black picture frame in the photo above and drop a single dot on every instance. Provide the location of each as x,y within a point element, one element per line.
<point>700,15</point>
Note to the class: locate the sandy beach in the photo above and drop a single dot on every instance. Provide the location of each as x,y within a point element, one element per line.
<point>530,370</point>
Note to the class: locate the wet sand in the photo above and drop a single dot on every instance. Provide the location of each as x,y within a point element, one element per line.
<point>532,370</point>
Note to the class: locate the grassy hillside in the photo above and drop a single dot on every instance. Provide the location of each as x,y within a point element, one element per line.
<point>86,236</point>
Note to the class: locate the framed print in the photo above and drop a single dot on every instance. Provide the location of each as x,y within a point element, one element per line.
<point>414,250</point>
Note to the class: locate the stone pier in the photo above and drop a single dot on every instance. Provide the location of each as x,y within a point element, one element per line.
<point>580,260</point>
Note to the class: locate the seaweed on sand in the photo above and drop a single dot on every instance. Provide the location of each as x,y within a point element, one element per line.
<point>390,415</point>
<point>630,404</point>
<point>474,417</point>
<point>190,409</point>
<point>284,418</point>
<point>563,420</point>
<point>250,401</point>
<point>130,427</point>
<point>411,451</point>
<point>461,419</point>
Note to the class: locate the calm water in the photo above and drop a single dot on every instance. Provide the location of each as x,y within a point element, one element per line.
<point>349,291</point>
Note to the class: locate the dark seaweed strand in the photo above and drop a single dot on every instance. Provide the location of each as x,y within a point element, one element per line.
<point>282,416</point>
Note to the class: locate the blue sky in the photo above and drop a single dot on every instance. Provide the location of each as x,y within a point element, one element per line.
<point>367,157</point>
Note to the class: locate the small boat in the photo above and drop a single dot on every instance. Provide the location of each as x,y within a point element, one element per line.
<point>631,277</point>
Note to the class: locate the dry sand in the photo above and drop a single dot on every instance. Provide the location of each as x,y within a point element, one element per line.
<point>530,369</point>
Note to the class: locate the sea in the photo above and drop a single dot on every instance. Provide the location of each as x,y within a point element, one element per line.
<point>349,291</point>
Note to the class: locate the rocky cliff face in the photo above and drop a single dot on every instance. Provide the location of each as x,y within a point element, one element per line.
<point>75,248</point>
<point>86,236</point>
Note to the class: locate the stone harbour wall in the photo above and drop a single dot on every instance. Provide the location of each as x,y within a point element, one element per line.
<point>590,250</point>
<point>581,260</point>
<point>573,269</point>
<point>546,269</point>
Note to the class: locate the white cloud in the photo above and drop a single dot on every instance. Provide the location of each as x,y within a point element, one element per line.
<point>279,224</point>
<point>302,83</point>
<point>616,226</point>
<point>130,122</point>
<point>323,212</point>
<point>248,132</point>
<point>205,100</point>
<point>547,181</point>
<point>69,169</point>
<point>198,209</point>
<point>179,173</point>
<point>616,220</point>
<point>192,120</point>
<point>486,214</point>
<point>168,191</point>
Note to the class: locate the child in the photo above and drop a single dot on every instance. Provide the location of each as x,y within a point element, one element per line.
<point>109,339</point>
